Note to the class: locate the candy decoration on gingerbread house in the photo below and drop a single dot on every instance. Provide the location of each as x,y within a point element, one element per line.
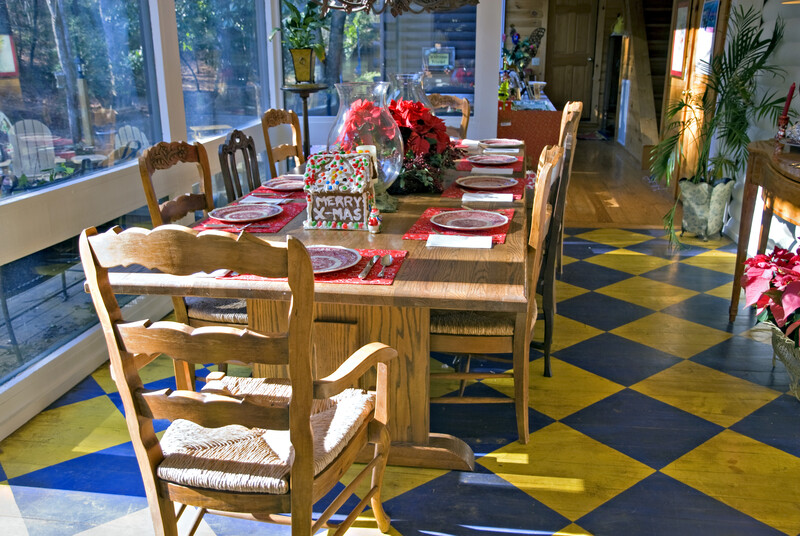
<point>339,191</point>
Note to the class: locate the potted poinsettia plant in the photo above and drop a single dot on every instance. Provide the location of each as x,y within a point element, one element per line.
<point>429,151</point>
<point>301,34</point>
<point>772,283</point>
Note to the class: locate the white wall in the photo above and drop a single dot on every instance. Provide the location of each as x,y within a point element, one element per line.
<point>787,57</point>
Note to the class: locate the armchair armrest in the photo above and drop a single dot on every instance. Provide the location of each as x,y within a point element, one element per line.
<point>353,368</point>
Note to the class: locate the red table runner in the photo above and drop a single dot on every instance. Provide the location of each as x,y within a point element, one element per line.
<point>349,275</point>
<point>466,165</point>
<point>456,191</point>
<point>272,225</point>
<point>423,227</point>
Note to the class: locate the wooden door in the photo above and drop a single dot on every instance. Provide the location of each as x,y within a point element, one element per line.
<point>570,52</point>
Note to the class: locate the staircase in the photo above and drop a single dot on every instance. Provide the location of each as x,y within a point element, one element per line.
<point>658,19</point>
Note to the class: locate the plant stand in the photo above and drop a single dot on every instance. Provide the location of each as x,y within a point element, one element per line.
<point>785,349</point>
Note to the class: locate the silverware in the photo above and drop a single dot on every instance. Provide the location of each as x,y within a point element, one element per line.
<point>365,272</point>
<point>386,261</point>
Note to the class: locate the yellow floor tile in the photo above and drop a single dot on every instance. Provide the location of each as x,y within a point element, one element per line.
<point>629,262</point>
<point>565,291</point>
<point>159,369</point>
<point>671,334</point>
<point>61,434</point>
<point>396,481</point>
<point>647,293</point>
<point>441,387</point>
<point>759,480</point>
<point>566,332</point>
<point>573,530</point>
<point>566,470</point>
<point>724,292</point>
<point>570,389</point>
<point>705,392</point>
<point>711,243</point>
<point>760,333</point>
<point>719,261</point>
<point>615,237</point>
<point>566,259</point>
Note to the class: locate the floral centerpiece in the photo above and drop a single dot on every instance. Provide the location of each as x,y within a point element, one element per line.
<point>772,283</point>
<point>429,151</point>
<point>365,124</point>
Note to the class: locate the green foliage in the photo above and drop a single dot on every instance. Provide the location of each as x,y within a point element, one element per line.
<point>727,107</point>
<point>301,29</point>
<point>361,29</point>
<point>522,51</point>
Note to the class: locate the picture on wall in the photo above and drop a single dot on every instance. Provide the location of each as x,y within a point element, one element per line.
<point>679,40</point>
<point>704,47</point>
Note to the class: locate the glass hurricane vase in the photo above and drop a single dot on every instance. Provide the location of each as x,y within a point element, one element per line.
<point>409,87</point>
<point>364,119</point>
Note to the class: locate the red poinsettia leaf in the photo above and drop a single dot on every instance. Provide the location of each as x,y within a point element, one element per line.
<point>791,297</point>
<point>754,287</point>
<point>791,327</point>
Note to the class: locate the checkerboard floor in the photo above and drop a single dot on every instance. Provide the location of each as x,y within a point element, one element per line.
<point>660,418</point>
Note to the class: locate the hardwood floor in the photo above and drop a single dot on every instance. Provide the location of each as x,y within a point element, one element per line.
<point>609,189</point>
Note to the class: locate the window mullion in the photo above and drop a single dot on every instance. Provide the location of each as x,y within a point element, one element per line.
<point>168,69</point>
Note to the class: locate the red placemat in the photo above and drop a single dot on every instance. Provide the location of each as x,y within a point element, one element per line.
<point>423,227</point>
<point>530,180</point>
<point>466,165</point>
<point>296,194</point>
<point>456,191</point>
<point>272,225</point>
<point>349,275</point>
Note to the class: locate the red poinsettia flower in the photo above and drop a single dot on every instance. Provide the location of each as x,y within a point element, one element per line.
<point>772,283</point>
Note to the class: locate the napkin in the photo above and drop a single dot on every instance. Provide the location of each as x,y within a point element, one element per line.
<point>483,170</point>
<point>216,273</point>
<point>501,150</point>
<point>255,200</point>
<point>459,241</point>
<point>471,196</point>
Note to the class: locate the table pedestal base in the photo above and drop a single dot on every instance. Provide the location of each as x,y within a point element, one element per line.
<point>443,451</point>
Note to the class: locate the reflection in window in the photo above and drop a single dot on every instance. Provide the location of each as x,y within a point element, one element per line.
<point>78,98</point>
<point>220,44</point>
<point>367,47</point>
<point>42,302</point>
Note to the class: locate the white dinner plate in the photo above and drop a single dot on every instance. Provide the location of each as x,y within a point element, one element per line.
<point>245,213</point>
<point>492,159</point>
<point>469,220</point>
<point>325,259</point>
<point>501,143</point>
<point>486,182</point>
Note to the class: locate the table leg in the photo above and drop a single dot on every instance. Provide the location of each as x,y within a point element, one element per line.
<point>306,145</point>
<point>748,207</point>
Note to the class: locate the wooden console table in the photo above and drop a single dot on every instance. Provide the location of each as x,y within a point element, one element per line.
<point>779,176</point>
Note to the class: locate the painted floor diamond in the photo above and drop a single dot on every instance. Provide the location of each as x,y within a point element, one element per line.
<point>627,437</point>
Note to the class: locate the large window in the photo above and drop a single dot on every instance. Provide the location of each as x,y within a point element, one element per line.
<point>368,47</point>
<point>221,46</point>
<point>78,97</point>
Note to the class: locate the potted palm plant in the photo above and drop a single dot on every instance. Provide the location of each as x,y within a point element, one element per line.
<point>718,118</point>
<point>300,33</point>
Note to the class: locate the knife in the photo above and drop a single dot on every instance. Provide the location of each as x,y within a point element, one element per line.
<point>368,267</point>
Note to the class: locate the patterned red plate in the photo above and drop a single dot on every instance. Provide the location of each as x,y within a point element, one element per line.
<point>245,213</point>
<point>325,259</point>
<point>492,159</point>
<point>286,183</point>
<point>501,142</point>
<point>486,182</point>
<point>469,220</point>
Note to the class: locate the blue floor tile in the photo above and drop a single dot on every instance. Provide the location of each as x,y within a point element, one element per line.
<point>601,311</point>
<point>711,311</point>
<point>645,429</point>
<point>688,276</point>
<point>777,424</point>
<point>581,249</point>
<point>591,276</point>
<point>618,359</point>
<point>746,359</point>
<point>85,390</point>
<point>662,506</point>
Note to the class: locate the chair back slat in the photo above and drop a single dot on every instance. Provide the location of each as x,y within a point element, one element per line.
<point>211,410</point>
<point>454,103</point>
<point>164,155</point>
<point>130,135</point>
<point>179,250</point>
<point>32,144</point>
<point>238,143</point>
<point>275,153</point>
<point>212,344</point>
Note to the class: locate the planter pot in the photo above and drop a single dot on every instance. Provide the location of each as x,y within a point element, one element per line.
<point>787,351</point>
<point>704,206</point>
<point>303,61</point>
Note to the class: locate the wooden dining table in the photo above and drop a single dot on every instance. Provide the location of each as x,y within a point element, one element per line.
<point>350,315</point>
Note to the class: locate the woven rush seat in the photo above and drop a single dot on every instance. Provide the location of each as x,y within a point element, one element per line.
<point>484,323</point>
<point>220,310</point>
<point>236,458</point>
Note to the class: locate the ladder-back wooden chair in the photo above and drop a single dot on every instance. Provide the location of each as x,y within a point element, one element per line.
<point>484,334</point>
<point>242,447</point>
<point>454,103</point>
<point>193,310</point>
<point>568,140</point>
<point>239,143</point>
<point>275,118</point>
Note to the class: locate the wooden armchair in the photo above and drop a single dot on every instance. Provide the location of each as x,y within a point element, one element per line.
<point>192,310</point>
<point>274,118</point>
<point>454,103</point>
<point>568,140</point>
<point>242,447</point>
<point>238,142</point>
<point>468,334</point>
